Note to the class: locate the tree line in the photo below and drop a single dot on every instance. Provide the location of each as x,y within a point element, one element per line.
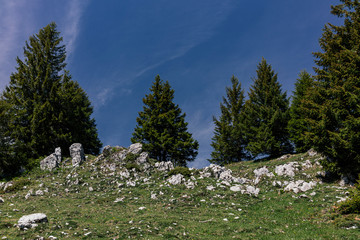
<point>43,108</point>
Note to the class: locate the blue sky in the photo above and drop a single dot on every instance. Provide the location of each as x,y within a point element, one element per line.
<point>116,48</point>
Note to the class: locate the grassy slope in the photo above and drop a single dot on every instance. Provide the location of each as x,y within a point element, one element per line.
<point>179,213</point>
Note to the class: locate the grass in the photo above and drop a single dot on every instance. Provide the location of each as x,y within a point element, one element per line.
<point>113,212</point>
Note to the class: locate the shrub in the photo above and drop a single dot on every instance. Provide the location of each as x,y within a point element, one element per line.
<point>135,166</point>
<point>182,170</point>
<point>352,205</point>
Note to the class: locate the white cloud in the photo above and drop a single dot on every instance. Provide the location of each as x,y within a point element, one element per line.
<point>20,19</point>
<point>71,22</point>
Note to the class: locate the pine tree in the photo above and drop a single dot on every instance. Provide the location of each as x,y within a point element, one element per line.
<point>48,108</point>
<point>267,115</point>
<point>229,140</point>
<point>162,129</point>
<point>333,108</point>
<point>297,125</point>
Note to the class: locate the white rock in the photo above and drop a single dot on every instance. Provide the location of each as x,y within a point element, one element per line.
<point>1,200</point>
<point>142,208</point>
<point>135,148</point>
<point>39,193</point>
<point>252,190</point>
<point>91,189</point>
<point>125,173</point>
<point>226,175</point>
<point>235,188</point>
<point>190,185</point>
<point>29,221</point>
<point>77,154</point>
<point>164,166</point>
<point>311,153</point>
<point>176,179</point>
<point>153,196</point>
<point>210,188</point>
<point>143,158</point>
<point>130,183</point>
<point>263,172</point>
<point>287,169</point>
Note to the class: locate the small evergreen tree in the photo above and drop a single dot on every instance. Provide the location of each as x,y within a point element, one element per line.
<point>297,125</point>
<point>162,129</point>
<point>48,109</point>
<point>229,140</point>
<point>333,110</point>
<point>267,115</point>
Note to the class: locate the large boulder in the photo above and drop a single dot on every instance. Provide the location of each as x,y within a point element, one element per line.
<point>52,161</point>
<point>49,163</point>
<point>30,221</point>
<point>164,166</point>
<point>77,154</point>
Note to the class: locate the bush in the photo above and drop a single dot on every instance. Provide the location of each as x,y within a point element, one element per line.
<point>352,205</point>
<point>182,170</point>
<point>135,166</point>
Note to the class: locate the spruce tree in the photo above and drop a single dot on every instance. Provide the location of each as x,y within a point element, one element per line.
<point>162,129</point>
<point>48,108</point>
<point>229,140</point>
<point>333,108</point>
<point>297,125</point>
<point>267,115</point>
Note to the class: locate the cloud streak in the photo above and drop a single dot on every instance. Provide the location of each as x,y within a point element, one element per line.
<point>20,19</point>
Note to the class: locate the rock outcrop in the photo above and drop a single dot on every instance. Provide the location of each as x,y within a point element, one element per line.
<point>52,161</point>
<point>30,221</point>
<point>77,154</point>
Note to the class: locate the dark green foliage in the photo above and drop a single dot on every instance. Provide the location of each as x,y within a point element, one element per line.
<point>267,115</point>
<point>162,129</point>
<point>180,170</point>
<point>229,139</point>
<point>48,109</point>
<point>130,166</point>
<point>297,124</point>
<point>352,204</point>
<point>333,107</point>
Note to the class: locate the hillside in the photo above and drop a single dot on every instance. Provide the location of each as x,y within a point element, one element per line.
<point>123,194</point>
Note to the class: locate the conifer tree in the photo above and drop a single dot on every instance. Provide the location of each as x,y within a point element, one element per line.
<point>162,129</point>
<point>267,115</point>
<point>48,108</point>
<point>229,140</point>
<point>297,125</point>
<point>333,109</point>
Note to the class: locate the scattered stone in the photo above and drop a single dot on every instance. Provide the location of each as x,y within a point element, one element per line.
<point>91,189</point>
<point>263,172</point>
<point>287,169</point>
<point>299,186</point>
<point>210,188</point>
<point>176,179</point>
<point>30,221</point>
<point>39,193</point>
<point>164,166</point>
<point>236,188</point>
<point>77,154</point>
<point>1,200</point>
<point>311,153</point>
<point>252,190</point>
<point>142,208</point>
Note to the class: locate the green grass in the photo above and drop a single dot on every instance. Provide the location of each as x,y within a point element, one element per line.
<point>178,213</point>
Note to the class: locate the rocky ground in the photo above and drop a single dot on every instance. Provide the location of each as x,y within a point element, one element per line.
<point>124,194</point>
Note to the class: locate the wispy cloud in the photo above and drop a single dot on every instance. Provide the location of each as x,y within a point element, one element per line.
<point>20,19</point>
<point>71,28</point>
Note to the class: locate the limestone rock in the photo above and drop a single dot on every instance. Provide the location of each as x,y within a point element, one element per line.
<point>135,148</point>
<point>164,166</point>
<point>1,200</point>
<point>287,169</point>
<point>52,161</point>
<point>107,150</point>
<point>176,179</point>
<point>77,154</point>
<point>252,190</point>
<point>29,221</point>
<point>49,163</point>
<point>235,188</point>
<point>311,153</point>
<point>263,172</point>
<point>143,158</point>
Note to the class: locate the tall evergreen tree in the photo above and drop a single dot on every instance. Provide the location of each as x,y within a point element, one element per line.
<point>229,140</point>
<point>333,108</point>
<point>297,125</point>
<point>162,129</point>
<point>48,108</point>
<point>267,115</point>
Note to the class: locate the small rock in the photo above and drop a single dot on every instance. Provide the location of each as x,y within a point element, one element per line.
<point>135,148</point>
<point>236,188</point>
<point>77,154</point>
<point>176,179</point>
<point>1,200</point>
